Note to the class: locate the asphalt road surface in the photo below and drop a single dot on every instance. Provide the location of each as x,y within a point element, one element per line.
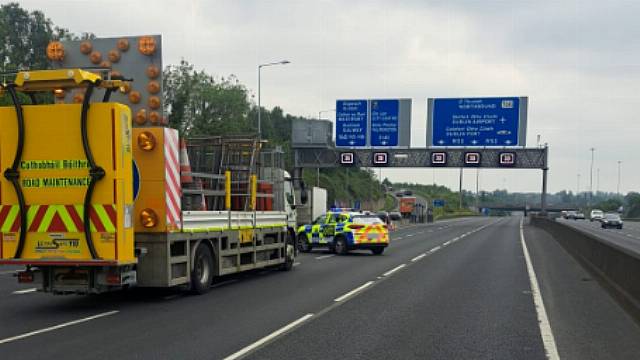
<point>628,237</point>
<point>455,290</point>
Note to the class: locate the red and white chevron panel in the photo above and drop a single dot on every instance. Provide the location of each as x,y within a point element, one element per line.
<point>173,189</point>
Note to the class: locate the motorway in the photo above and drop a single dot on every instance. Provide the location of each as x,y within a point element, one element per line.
<point>628,237</point>
<point>461,289</point>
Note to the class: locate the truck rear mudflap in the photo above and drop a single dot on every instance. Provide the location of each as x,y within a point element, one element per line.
<point>79,279</point>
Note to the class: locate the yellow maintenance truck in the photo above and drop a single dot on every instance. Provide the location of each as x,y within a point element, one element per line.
<point>95,197</point>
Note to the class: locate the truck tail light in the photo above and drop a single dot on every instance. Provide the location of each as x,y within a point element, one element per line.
<point>148,218</point>
<point>25,277</point>
<point>113,279</point>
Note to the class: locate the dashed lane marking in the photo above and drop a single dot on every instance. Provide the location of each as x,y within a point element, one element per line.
<point>240,353</point>
<point>325,256</point>
<point>354,291</point>
<point>394,270</point>
<point>418,257</point>
<point>25,291</point>
<point>56,327</point>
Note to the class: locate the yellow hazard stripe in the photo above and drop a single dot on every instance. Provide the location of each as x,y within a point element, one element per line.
<point>46,220</point>
<point>66,218</point>
<point>104,217</point>
<point>11,217</point>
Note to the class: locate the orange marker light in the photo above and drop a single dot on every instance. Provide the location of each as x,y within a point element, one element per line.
<point>141,116</point>
<point>146,141</point>
<point>86,47</point>
<point>78,98</point>
<point>153,87</point>
<point>55,51</point>
<point>153,71</point>
<point>123,44</point>
<point>154,117</point>
<point>95,57</point>
<point>125,88</point>
<point>114,56</point>
<point>135,97</point>
<point>148,218</point>
<point>147,45</point>
<point>154,102</point>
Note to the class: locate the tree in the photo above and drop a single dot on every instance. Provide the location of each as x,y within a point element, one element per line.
<point>199,104</point>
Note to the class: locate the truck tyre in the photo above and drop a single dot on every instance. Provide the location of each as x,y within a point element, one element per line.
<point>340,245</point>
<point>377,250</point>
<point>290,255</point>
<point>202,272</point>
<point>303,243</point>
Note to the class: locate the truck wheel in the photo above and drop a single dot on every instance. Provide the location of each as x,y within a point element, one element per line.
<point>340,245</point>
<point>290,256</point>
<point>202,272</point>
<point>377,251</point>
<point>303,243</point>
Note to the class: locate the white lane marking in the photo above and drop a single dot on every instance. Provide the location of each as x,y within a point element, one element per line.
<point>435,249</point>
<point>296,263</point>
<point>8,272</point>
<point>399,238</point>
<point>240,353</point>
<point>56,327</point>
<point>409,235</point>
<point>325,256</point>
<point>354,291</point>
<point>446,243</point>
<point>394,269</point>
<point>456,238</point>
<point>418,257</point>
<point>543,321</point>
<point>429,230</point>
<point>25,291</point>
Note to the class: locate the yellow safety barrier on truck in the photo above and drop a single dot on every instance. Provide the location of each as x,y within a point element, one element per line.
<point>56,176</point>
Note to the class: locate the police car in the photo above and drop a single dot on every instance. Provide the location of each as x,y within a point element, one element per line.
<point>343,230</point>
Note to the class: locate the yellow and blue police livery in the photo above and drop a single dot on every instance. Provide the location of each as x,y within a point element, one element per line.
<point>341,231</point>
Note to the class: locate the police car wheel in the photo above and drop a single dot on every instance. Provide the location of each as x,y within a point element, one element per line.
<point>340,246</point>
<point>377,251</point>
<point>303,244</point>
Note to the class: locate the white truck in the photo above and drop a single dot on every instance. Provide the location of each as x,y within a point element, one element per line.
<point>315,206</point>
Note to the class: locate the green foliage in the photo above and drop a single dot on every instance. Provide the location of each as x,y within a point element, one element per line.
<point>632,205</point>
<point>346,185</point>
<point>199,104</point>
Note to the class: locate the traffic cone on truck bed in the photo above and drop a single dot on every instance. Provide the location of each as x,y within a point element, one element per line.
<point>185,166</point>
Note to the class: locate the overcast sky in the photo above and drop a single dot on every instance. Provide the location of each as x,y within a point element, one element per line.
<point>577,61</point>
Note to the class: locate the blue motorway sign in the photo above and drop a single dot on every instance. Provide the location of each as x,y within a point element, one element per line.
<point>384,122</point>
<point>351,122</point>
<point>477,122</point>
<point>438,203</point>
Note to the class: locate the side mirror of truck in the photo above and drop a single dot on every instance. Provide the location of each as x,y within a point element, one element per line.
<point>291,201</point>
<point>303,193</point>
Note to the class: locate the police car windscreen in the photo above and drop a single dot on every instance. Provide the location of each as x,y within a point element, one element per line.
<point>367,220</point>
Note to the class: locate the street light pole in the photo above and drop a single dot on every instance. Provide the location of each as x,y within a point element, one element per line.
<point>591,176</point>
<point>619,162</point>
<point>283,62</point>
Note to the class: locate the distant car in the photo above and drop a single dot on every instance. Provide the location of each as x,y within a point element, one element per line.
<point>571,215</point>
<point>579,216</point>
<point>386,218</point>
<point>596,215</point>
<point>563,214</point>
<point>395,216</point>
<point>611,221</point>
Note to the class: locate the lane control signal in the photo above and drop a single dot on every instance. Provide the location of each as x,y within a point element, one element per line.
<point>438,159</point>
<point>347,158</point>
<point>472,159</point>
<point>380,159</point>
<point>507,159</point>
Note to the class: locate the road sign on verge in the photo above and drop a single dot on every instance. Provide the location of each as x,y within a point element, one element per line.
<point>438,203</point>
<point>477,122</point>
<point>351,122</point>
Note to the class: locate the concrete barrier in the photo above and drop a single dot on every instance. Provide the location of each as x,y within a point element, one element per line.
<point>617,267</point>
